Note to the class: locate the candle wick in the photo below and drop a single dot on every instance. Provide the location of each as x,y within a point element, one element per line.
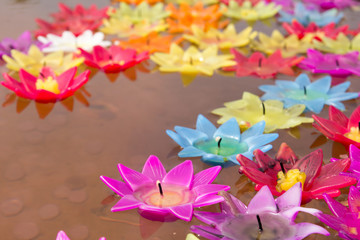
<point>260,62</point>
<point>259,223</point>
<point>305,90</point>
<point>337,63</point>
<point>359,125</point>
<point>282,167</point>
<point>41,74</point>
<point>160,187</point>
<point>11,46</point>
<point>285,47</point>
<point>44,65</point>
<point>191,61</point>
<point>220,139</point>
<point>263,105</point>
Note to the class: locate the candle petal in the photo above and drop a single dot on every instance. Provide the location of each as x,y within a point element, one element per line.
<point>331,221</point>
<point>258,205</point>
<point>191,135</point>
<point>256,129</point>
<point>305,229</point>
<point>208,232</point>
<point>154,169</point>
<point>211,218</point>
<point>62,236</point>
<point>354,153</point>
<point>256,141</point>
<point>320,85</point>
<point>229,129</point>
<point>181,174</point>
<point>208,200</point>
<point>228,208</point>
<point>183,212</point>
<point>183,142</point>
<point>292,212</point>
<point>190,151</point>
<point>118,187</point>
<point>328,125</point>
<point>206,176</point>
<point>133,178</point>
<point>205,126</point>
<point>126,203</point>
<point>290,198</point>
<point>354,199</point>
<point>355,117</point>
<point>209,189</point>
<point>335,207</point>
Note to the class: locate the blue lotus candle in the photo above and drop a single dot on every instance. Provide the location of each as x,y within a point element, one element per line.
<point>220,146</point>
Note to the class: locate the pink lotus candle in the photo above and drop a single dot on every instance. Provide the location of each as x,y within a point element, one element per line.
<point>165,196</point>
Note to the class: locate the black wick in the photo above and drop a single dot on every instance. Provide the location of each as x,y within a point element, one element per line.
<point>219,142</point>
<point>259,223</point>
<point>337,63</point>
<point>260,62</point>
<point>359,125</point>
<point>282,167</point>
<point>263,108</point>
<point>160,187</point>
<point>305,90</point>
<point>11,46</point>
<point>41,74</point>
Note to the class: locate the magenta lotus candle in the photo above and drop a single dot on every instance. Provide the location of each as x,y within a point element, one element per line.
<point>162,196</point>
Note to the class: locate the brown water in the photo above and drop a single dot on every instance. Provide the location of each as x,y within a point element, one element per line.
<point>50,168</point>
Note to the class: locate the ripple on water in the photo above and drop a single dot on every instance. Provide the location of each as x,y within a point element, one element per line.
<point>11,207</point>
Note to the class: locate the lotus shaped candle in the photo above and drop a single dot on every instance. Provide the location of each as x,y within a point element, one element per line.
<point>191,237</point>
<point>62,236</point>
<point>191,61</point>
<point>220,146</point>
<point>35,60</point>
<point>151,43</point>
<point>337,65</point>
<point>68,42</point>
<point>328,4</point>
<point>125,27</point>
<point>282,172</point>
<point>346,220</point>
<point>264,218</point>
<point>241,2</point>
<point>75,20</point>
<point>340,45</point>
<point>114,59</point>
<point>21,44</point>
<point>248,12</point>
<point>289,46</point>
<point>226,39</point>
<point>306,16</point>
<point>47,87</point>
<point>165,196</point>
<point>137,2</point>
<point>339,127</point>
<point>193,2</point>
<point>139,13</point>
<point>258,65</point>
<point>181,19</point>
<point>314,95</point>
<point>250,110</point>
<point>314,31</point>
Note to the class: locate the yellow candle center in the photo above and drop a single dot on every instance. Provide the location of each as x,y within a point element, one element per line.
<point>289,179</point>
<point>166,200</point>
<point>49,84</point>
<point>354,134</point>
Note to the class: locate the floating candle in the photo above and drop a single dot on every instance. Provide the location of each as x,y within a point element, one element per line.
<point>316,179</point>
<point>220,146</point>
<point>62,236</point>
<point>339,127</point>
<point>263,219</point>
<point>165,196</point>
<point>312,94</point>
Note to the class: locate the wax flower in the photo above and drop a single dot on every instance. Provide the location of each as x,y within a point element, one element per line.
<point>62,236</point>
<point>35,60</point>
<point>340,45</point>
<point>46,87</point>
<point>314,95</point>
<point>75,20</point>
<point>328,4</point>
<point>248,12</point>
<point>151,43</point>
<point>337,65</point>
<point>261,66</point>
<point>191,61</point>
<point>191,237</point>
<point>289,46</point>
<point>345,219</point>
<point>263,218</point>
<point>193,2</point>
<point>286,169</point>
<point>314,31</point>
<point>165,196</point>
<point>241,2</point>
<point>21,44</point>
<point>181,19</point>
<point>250,110</point>
<point>339,127</point>
<point>220,146</point>
<point>139,13</point>
<point>68,42</point>
<point>306,16</point>
<point>137,2</point>
<point>225,39</point>
<point>113,60</point>
<point>124,28</point>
